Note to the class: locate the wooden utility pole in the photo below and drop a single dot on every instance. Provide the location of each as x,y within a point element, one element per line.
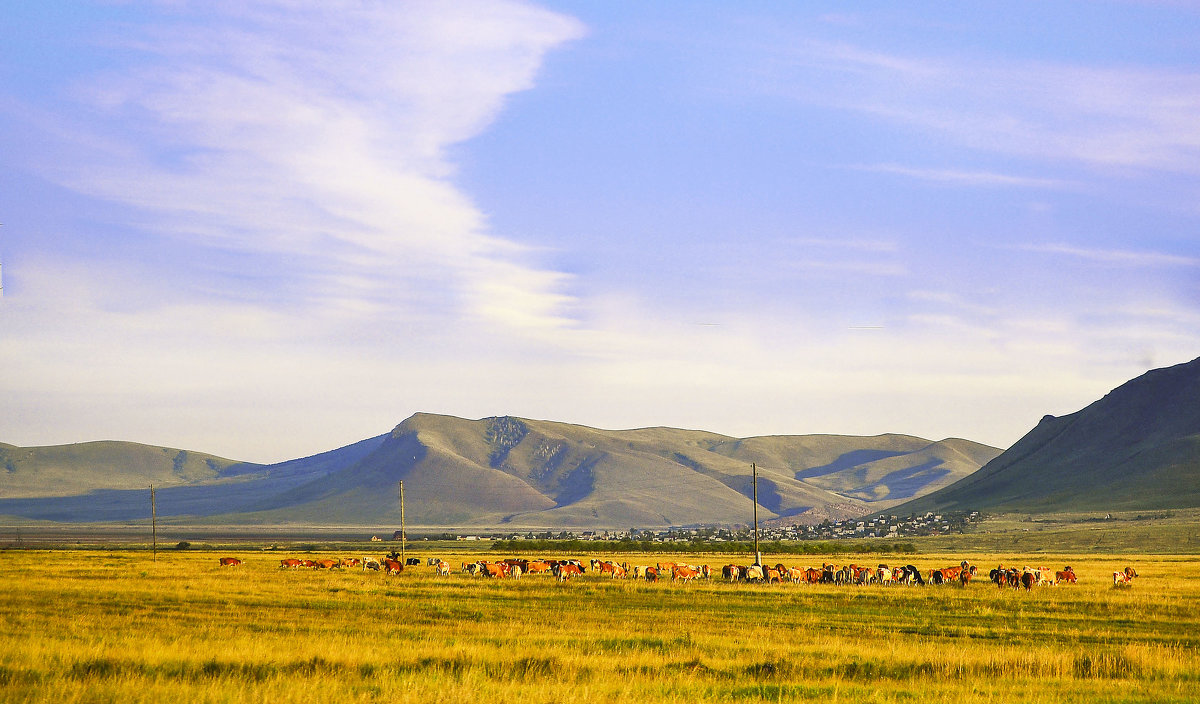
<point>153,525</point>
<point>403,533</point>
<point>754,474</point>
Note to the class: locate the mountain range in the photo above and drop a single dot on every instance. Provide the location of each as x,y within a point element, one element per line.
<point>1137,448</point>
<point>500,471</point>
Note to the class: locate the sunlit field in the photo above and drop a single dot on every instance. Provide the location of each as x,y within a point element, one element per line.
<point>117,626</point>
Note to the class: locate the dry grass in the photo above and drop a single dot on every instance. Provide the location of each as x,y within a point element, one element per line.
<point>100,626</point>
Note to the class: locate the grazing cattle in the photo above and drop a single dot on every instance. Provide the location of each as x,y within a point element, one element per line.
<point>350,562</point>
<point>496,570</point>
<point>473,568</point>
<point>432,562</point>
<point>652,574</point>
<point>731,572</point>
<point>608,568</point>
<point>1130,573</point>
<point>753,573</point>
<point>813,575</point>
<point>371,563</point>
<point>230,562</point>
<point>1028,579</point>
<point>883,575</point>
<point>566,571</point>
<point>307,563</point>
<point>290,562</point>
<point>442,568</point>
<point>515,571</point>
<point>685,573</point>
<point>1066,575</point>
<point>327,564</point>
<point>391,566</point>
<point>412,561</point>
<point>537,566</point>
<point>1124,577</point>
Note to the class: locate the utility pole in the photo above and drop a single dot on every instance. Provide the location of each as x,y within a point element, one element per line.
<point>153,524</point>
<point>403,532</point>
<point>754,474</point>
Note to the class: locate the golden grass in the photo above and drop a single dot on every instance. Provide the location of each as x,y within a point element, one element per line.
<point>79,626</point>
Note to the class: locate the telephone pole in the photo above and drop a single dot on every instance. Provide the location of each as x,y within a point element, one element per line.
<point>403,532</point>
<point>754,474</point>
<point>153,525</point>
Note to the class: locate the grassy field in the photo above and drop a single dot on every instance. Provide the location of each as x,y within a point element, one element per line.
<point>98,625</point>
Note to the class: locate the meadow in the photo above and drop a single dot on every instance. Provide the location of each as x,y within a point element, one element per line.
<point>86,625</point>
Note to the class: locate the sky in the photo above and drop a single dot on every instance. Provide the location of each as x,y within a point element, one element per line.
<point>269,229</point>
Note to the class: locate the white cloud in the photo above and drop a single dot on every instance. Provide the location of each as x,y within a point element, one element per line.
<point>321,132</point>
<point>1116,257</point>
<point>1142,118</point>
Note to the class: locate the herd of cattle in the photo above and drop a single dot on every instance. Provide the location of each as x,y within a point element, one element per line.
<point>564,570</point>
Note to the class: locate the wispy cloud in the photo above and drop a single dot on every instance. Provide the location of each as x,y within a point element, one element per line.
<point>1110,117</point>
<point>956,177</point>
<point>1115,257</point>
<point>319,134</point>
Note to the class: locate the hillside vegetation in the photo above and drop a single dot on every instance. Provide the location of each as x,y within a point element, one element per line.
<point>1138,448</point>
<point>506,471</point>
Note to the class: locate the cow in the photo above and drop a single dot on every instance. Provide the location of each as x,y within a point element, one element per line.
<point>496,570</point>
<point>371,563</point>
<point>565,571</point>
<point>813,575</point>
<point>290,562</point>
<point>1124,577</point>
<point>608,568</point>
<point>731,572</point>
<point>350,562</point>
<point>412,562</point>
<point>536,566</point>
<point>1130,573</point>
<point>754,573</point>
<point>230,562</point>
<point>432,562</point>
<point>326,564</point>
<point>442,568</point>
<point>1028,579</point>
<point>391,566</point>
<point>652,574</point>
<point>1065,575</point>
<point>883,575</point>
<point>685,573</point>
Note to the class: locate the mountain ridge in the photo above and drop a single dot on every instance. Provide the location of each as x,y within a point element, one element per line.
<point>503,470</point>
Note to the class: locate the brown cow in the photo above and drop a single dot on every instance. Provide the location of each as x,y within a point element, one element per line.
<point>685,573</point>
<point>443,568</point>
<point>391,566</point>
<point>230,562</point>
<point>566,571</point>
<point>290,562</point>
<point>327,564</point>
<point>1066,575</point>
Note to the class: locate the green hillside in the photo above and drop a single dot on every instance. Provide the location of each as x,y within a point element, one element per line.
<point>1138,448</point>
<point>531,473</point>
<point>495,471</point>
<point>69,470</point>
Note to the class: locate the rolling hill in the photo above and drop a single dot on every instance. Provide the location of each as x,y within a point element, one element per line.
<point>1137,448</point>
<point>500,471</point>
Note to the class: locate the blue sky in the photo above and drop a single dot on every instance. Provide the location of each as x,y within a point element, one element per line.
<point>269,229</point>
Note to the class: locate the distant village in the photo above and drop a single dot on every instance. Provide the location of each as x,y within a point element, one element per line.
<point>878,527</point>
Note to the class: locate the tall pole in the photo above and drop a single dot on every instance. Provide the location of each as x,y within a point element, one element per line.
<point>403,532</point>
<point>757,554</point>
<point>153,524</point>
